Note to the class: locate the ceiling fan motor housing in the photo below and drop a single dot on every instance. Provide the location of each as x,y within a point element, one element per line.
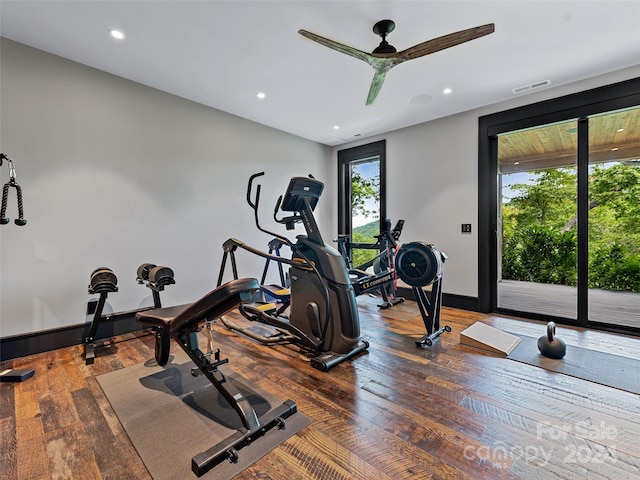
<point>384,28</point>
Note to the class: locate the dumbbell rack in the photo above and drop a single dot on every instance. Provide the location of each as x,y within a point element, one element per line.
<point>103,281</point>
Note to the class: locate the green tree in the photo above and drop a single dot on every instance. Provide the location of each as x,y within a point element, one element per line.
<point>363,189</point>
<point>361,256</point>
<point>539,242</point>
<point>617,188</point>
<point>541,254</point>
<point>549,200</point>
<point>614,267</point>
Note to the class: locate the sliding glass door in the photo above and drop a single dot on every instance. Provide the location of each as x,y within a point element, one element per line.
<point>614,218</point>
<point>559,209</point>
<point>537,216</point>
<point>568,220</point>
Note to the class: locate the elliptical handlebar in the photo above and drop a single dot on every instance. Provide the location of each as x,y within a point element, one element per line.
<point>290,221</point>
<point>255,203</point>
<point>300,198</point>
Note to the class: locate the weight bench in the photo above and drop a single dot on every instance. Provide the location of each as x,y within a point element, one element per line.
<point>183,323</point>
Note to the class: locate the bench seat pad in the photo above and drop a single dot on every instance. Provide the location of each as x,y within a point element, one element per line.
<point>211,306</point>
<point>160,317</point>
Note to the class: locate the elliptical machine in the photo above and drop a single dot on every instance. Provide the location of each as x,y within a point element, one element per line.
<point>320,314</point>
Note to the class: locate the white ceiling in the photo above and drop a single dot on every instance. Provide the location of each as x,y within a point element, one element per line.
<point>221,53</point>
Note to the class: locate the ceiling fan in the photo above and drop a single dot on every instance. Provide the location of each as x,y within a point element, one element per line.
<point>385,56</point>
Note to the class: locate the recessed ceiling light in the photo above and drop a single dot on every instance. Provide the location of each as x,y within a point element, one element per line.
<point>447,91</point>
<point>261,95</point>
<point>336,127</point>
<point>117,34</point>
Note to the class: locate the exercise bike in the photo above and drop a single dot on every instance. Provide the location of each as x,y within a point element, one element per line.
<point>384,279</point>
<point>320,313</point>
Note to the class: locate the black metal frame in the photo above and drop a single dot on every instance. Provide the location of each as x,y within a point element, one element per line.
<point>183,324</point>
<point>419,265</point>
<point>576,106</point>
<point>430,305</point>
<point>345,159</point>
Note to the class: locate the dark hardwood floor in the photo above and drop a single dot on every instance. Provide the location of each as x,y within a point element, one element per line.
<point>397,412</point>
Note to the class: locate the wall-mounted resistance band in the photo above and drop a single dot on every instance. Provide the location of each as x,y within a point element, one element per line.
<point>5,194</point>
<point>11,375</point>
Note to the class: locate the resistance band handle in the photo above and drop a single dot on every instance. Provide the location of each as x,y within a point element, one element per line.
<point>20,221</point>
<point>5,194</point>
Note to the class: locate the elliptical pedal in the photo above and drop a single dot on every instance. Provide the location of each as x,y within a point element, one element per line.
<point>276,292</point>
<point>256,308</point>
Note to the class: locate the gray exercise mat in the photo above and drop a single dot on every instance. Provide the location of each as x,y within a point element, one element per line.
<point>171,416</point>
<point>604,368</point>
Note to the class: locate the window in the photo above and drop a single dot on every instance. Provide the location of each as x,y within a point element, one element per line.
<point>361,199</point>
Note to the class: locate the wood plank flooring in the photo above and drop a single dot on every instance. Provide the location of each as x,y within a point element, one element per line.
<point>606,306</point>
<point>398,412</point>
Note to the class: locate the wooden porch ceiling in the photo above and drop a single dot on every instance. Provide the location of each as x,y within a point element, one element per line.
<point>612,137</point>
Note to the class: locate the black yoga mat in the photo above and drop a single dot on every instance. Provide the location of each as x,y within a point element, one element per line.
<point>604,368</point>
<point>171,416</point>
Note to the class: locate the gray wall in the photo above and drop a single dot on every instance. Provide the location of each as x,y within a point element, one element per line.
<point>116,174</point>
<point>432,180</point>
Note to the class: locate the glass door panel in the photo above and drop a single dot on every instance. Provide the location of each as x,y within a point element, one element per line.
<point>365,209</point>
<point>614,218</point>
<point>537,220</point>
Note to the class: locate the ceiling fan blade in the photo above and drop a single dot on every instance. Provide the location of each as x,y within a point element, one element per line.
<point>446,41</point>
<point>376,85</point>
<point>340,47</point>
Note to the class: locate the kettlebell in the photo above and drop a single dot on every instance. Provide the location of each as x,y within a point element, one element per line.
<point>550,345</point>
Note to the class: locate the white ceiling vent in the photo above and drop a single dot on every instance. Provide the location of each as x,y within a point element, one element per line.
<point>352,137</point>
<point>531,86</point>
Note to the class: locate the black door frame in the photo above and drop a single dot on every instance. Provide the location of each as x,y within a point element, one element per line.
<point>575,106</point>
<point>345,157</point>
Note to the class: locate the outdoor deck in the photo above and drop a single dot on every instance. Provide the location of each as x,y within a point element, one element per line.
<point>616,308</point>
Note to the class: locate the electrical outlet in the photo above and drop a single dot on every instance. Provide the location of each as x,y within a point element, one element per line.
<point>466,228</point>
